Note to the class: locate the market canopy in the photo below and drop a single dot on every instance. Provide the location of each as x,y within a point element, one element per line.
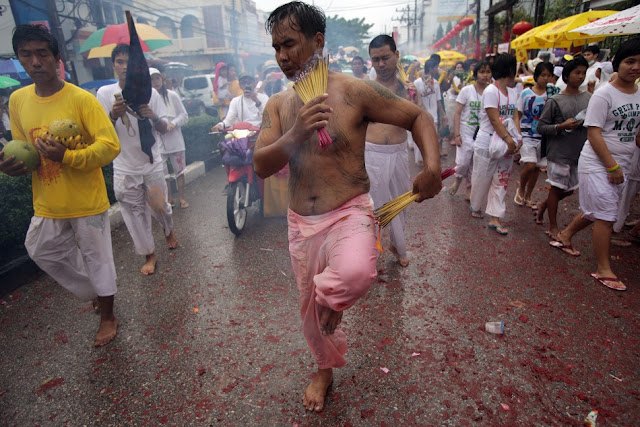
<point>621,23</point>
<point>558,34</point>
<point>528,40</point>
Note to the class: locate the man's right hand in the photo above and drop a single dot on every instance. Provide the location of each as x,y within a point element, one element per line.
<point>218,128</point>
<point>11,167</point>
<point>312,116</point>
<point>569,124</point>
<point>119,109</point>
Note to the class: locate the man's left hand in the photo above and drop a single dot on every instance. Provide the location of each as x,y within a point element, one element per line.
<point>51,149</point>
<point>427,184</point>
<point>147,112</point>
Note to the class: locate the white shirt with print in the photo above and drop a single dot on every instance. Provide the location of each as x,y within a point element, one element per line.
<point>470,116</point>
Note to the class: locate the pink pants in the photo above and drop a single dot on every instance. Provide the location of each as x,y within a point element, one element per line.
<point>334,260</point>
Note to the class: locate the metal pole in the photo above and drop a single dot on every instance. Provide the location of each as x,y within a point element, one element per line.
<point>56,30</point>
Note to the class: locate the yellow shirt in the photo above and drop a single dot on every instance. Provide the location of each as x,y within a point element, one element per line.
<point>75,187</point>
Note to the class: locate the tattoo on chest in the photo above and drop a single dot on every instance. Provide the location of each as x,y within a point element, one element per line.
<point>266,120</point>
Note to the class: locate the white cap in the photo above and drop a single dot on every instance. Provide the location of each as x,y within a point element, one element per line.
<point>607,67</point>
<point>557,71</point>
<point>153,71</point>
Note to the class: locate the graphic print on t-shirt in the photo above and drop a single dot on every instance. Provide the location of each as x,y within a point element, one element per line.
<point>627,131</point>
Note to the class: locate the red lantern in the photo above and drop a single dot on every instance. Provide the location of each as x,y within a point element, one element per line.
<point>448,47</point>
<point>458,27</point>
<point>466,22</point>
<point>521,27</point>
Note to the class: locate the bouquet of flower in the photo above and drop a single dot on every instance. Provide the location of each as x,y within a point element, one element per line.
<point>310,82</point>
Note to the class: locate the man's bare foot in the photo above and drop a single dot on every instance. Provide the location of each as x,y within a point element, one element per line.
<point>467,195</point>
<point>184,204</point>
<point>106,333</point>
<point>95,303</point>
<point>172,241</point>
<point>403,261</point>
<point>149,266</point>
<point>316,392</point>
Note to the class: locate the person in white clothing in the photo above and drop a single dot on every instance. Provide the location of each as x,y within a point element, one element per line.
<point>429,90</point>
<point>613,123</point>
<point>490,175</point>
<point>466,122</point>
<point>138,179</point>
<point>247,107</point>
<point>172,148</point>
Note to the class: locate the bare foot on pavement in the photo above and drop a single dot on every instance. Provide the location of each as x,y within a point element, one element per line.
<point>106,333</point>
<point>316,392</point>
<point>149,267</point>
<point>172,241</point>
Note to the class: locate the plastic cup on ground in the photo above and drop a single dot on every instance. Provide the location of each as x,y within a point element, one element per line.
<point>494,327</point>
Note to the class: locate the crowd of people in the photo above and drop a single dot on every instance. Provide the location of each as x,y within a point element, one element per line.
<point>583,136</point>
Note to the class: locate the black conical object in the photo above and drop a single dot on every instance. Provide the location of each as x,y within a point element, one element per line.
<point>137,87</point>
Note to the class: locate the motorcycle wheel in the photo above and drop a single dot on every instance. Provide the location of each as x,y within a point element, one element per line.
<point>236,210</point>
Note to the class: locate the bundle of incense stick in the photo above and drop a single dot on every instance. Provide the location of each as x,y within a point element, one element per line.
<point>402,75</point>
<point>311,82</point>
<point>387,212</point>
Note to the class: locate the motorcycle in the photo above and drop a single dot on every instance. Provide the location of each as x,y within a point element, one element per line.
<point>245,189</point>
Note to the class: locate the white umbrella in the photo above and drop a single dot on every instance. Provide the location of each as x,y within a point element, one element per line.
<point>625,22</point>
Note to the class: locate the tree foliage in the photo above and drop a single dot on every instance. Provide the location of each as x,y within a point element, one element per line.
<point>342,32</point>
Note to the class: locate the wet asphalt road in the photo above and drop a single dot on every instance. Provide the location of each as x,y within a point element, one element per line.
<point>214,338</point>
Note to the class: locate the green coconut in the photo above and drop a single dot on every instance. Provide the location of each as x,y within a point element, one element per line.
<point>24,151</point>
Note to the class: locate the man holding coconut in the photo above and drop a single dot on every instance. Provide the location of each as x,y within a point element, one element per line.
<point>69,237</point>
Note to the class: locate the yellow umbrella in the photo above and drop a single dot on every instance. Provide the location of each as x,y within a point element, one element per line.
<point>451,56</point>
<point>528,40</point>
<point>558,34</point>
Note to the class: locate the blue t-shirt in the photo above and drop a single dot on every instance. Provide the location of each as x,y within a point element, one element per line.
<point>530,105</point>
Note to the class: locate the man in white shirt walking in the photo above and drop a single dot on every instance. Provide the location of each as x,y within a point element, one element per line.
<point>247,107</point>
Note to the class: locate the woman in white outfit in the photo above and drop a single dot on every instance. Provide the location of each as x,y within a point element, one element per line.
<point>491,176</point>
<point>172,141</point>
<point>466,122</point>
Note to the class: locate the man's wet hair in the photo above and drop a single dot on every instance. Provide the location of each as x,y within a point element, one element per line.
<point>383,40</point>
<point>593,48</point>
<point>479,66</point>
<point>34,33</point>
<point>357,58</point>
<point>540,68</point>
<point>504,66</point>
<point>305,18</point>
<point>121,49</point>
<point>436,58</point>
<point>629,48</point>
<point>576,62</point>
<point>430,64</point>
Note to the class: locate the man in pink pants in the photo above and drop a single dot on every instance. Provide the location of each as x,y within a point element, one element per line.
<point>332,233</point>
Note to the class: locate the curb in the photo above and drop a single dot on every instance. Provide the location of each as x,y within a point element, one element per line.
<point>192,172</point>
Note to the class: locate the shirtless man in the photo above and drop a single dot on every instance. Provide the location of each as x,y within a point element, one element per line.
<point>386,150</point>
<point>331,231</point>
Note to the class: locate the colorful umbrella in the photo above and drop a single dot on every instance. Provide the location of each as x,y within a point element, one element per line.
<point>350,49</point>
<point>528,40</point>
<point>558,34</point>
<point>13,67</point>
<point>451,56</point>
<point>625,22</point>
<point>6,82</point>
<point>101,43</point>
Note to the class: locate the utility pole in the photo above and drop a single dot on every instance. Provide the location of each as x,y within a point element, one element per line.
<point>406,17</point>
<point>539,13</point>
<point>234,28</point>
<point>56,30</point>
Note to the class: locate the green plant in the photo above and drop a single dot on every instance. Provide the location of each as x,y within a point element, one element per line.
<point>198,143</point>
<point>16,210</point>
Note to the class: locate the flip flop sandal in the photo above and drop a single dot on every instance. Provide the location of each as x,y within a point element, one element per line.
<point>498,229</point>
<point>610,282</point>
<point>518,199</point>
<point>567,249</point>
<point>475,214</point>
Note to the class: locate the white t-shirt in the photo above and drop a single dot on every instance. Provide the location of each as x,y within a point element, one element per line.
<point>244,109</point>
<point>618,115</point>
<point>470,116</point>
<point>590,76</point>
<point>431,96</point>
<point>132,160</point>
<point>173,142</point>
<point>493,98</point>
<point>530,105</point>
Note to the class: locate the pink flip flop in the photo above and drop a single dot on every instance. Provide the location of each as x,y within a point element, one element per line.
<point>568,249</point>
<point>610,282</point>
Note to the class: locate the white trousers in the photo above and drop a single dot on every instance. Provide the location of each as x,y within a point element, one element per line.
<point>75,252</point>
<point>388,170</point>
<point>489,182</point>
<point>464,157</point>
<point>142,197</point>
<point>631,188</point>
